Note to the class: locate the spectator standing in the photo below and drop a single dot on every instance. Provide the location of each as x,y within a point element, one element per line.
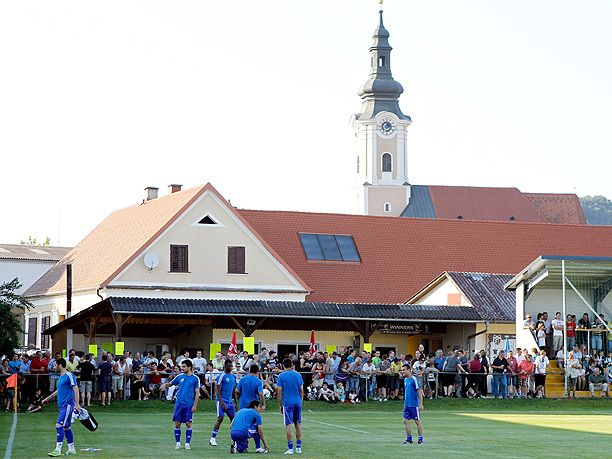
<point>557,329</point>
<point>548,330</point>
<point>184,355</point>
<point>541,363</point>
<point>369,372</point>
<point>583,324</point>
<point>104,380</point>
<point>574,370</point>
<point>541,335</point>
<point>199,362</point>
<point>570,331</point>
<point>511,374</point>
<point>86,376</point>
<point>598,332</point>
<point>120,373</point>
<point>383,370</point>
<point>53,375</point>
<point>451,368</point>
<point>484,369</point>
<point>499,366</point>
<point>474,377</point>
<point>526,369</point>
<point>15,364</point>
<point>394,378</point>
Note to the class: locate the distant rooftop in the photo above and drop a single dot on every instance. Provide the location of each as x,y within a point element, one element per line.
<point>32,252</point>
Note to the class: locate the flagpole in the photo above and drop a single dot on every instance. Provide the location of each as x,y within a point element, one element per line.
<point>15,398</point>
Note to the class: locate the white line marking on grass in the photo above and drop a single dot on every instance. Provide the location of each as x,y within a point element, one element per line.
<point>11,439</point>
<point>339,427</point>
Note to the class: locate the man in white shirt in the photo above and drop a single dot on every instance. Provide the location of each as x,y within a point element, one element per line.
<point>557,327</point>
<point>199,363</point>
<point>182,357</point>
<point>519,356</point>
<point>541,362</point>
<point>245,361</point>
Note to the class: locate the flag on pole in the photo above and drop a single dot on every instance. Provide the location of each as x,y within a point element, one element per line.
<point>233,349</point>
<point>313,346</point>
<point>507,346</point>
<point>11,381</point>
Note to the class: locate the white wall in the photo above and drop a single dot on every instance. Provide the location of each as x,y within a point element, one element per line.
<point>27,272</point>
<point>438,295</point>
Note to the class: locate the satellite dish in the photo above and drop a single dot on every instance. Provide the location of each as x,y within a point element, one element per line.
<point>151,260</point>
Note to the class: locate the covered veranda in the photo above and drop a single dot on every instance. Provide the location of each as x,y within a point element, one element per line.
<point>175,324</point>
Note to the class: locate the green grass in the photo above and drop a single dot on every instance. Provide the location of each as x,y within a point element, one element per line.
<point>453,428</point>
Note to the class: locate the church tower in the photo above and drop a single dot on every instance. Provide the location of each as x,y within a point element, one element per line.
<point>381,134</point>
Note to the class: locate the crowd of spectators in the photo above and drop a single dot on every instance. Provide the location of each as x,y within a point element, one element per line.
<point>348,377</point>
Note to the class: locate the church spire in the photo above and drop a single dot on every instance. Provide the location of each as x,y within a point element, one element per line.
<point>381,92</point>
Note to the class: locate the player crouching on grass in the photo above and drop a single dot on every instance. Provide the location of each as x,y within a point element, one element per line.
<point>67,402</point>
<point>186,401</point>
<point>413,404</point>
<point>247,424</point>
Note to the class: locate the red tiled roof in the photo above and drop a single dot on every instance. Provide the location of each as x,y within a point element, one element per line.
<point>401,255</point>
<point>558,208</point>
<point>480,203</point>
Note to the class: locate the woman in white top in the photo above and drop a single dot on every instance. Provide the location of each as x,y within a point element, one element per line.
<point>541,362</point>
<point>574,370</point>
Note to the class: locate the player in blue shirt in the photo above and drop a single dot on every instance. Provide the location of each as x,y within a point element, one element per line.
<point>188,394</point>
<point>226,394</point>
<point>290,393</point>
<point>413,404</point>
<point>247,424</point>
<point>67,402</point>
<point>250,388</point>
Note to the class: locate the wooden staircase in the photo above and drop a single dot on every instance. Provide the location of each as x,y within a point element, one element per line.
<point>555,382</point>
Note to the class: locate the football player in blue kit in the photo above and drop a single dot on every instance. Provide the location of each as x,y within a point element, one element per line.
<point>413,404</point>
<point>290,386</point>
<point>247,424</point>
<point>226,395</point>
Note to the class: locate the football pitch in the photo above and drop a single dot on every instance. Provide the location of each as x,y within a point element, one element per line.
<point>453,428</point>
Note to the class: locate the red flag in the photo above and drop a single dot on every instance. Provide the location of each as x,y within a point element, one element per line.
<point>233,349</point>
<point>313,346</point>
<point>11,381</point>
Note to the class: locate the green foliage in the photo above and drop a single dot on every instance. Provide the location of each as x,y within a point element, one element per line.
<point>32,241</point>
<point>597,210</point>
<point>11,325</point>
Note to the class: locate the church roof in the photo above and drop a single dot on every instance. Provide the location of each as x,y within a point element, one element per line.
<point>493,204</point>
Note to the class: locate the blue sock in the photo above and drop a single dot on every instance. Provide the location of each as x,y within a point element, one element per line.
<point>214,434</point>
<point>257,440</point>
<point>69,436</point>
<point>409,438</point>
<point>60,434</point>
<point>290,444</point>
<point>298,444</point>
<point>188,433</point>
<point>177,434</point>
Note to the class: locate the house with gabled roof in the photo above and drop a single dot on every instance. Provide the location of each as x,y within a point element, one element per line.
<point>186,269</point>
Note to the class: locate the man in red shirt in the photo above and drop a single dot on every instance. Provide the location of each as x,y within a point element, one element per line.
<point>511,375</point>
<point>526,369</point>
<point>570,331</point>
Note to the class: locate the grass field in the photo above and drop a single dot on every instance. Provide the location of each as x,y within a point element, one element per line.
<point>453,428</point>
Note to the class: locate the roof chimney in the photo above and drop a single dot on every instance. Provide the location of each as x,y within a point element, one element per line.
<point>174,188</point>
<point>151,193</point>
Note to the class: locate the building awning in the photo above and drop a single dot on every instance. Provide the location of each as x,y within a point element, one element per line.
<point>156,313</point>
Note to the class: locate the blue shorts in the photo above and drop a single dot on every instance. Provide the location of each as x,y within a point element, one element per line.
<point>293,414</point>
<point>64,418</point>
<point>230,409</point>
<point>241,437</point>
<point>411,413</point>
<point>182,413</point>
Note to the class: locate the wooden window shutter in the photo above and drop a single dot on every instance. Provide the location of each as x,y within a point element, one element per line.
<point>236,260</point>
<point>32,331</point>
<point>179,262</point>
<point>44,339</point>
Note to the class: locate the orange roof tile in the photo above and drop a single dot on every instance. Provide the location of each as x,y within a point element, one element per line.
<point>401,255</point>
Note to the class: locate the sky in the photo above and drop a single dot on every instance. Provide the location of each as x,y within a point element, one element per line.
<point>99,100</point>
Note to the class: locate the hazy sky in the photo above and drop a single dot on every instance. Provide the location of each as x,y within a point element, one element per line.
<point>100,99</point>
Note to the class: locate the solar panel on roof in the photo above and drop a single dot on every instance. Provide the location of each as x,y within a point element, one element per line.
<point>329,247</point>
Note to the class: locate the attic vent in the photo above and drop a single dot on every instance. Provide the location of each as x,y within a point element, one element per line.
<point>207,221</point>
<point>512,218</point>
<point>459,217</point>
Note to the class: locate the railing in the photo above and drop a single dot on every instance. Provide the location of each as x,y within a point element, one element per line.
<point>139,386</point>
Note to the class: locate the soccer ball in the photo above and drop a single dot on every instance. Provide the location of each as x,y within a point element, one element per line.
<point>266,393</point>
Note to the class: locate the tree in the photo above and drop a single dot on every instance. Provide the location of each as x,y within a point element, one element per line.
<point>597,210</point>
<point>11,325</point>
<point>32,241</point>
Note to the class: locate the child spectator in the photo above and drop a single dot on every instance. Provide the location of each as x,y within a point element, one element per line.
<point>328,395</point>
<point>353,397</point>
<point>340,392</point>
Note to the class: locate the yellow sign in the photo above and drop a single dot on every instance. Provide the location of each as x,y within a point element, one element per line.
<point>119,347</point>
<point>248,344</point>
<point>367,347</point>
<point>64,353</point>
<point>108,347</point>
<point>329,349</point>
<point>214,348</point>
<point>93,349</point>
